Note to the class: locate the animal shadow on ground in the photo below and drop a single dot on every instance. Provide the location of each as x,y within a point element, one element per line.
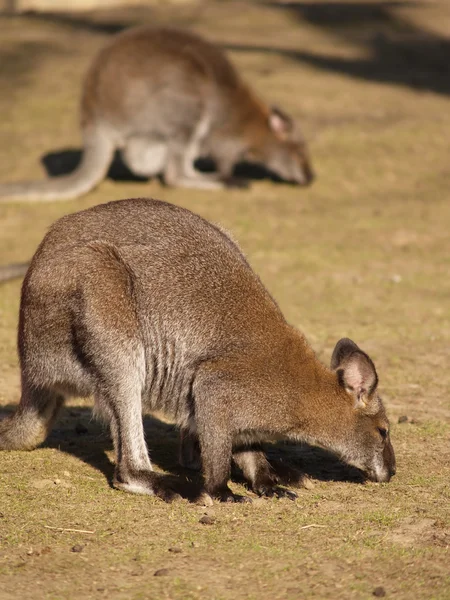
<point>396,49</point>
<point>84,23</point>
<point>63,162</point>
<point>18,62</point>
<point>76,433</point>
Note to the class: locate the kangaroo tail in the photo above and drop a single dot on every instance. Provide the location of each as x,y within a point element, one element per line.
<point>97,156</point>
<point>13,271</point>
<point>20,431</point>
<point>31,423</point>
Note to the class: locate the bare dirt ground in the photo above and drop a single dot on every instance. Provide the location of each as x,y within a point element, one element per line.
<point>364,253</point>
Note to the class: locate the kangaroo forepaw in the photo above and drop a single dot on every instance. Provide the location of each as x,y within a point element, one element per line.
<point>226,495</point>
<point>269,491</point>
<point>192,463</point>
<point>237,182</point>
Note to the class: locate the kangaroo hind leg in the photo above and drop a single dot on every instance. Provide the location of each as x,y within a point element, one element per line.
<point>112,342</point>
<point>133,473</point>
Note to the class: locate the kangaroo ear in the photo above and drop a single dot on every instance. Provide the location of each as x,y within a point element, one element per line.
<point>356,373</point>
<point>279,122</point>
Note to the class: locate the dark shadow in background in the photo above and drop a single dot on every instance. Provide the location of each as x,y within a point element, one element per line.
<point>84,23</point>
<point>19,62</point>
<point>63,162</point>
<point>77,434</point>
<point>398,51</point>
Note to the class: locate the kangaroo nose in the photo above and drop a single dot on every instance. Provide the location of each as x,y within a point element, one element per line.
<point>310,178</point>
<point>393,471</point>
<point>309,175</point>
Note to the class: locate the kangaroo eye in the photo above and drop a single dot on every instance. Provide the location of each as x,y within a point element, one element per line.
<point>383,432</point>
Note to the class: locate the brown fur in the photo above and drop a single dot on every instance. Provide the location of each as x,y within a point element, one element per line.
<point>150,307</point>
<point>165,98</point>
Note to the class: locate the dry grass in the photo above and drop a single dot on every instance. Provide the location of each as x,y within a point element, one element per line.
<point>364,253</point>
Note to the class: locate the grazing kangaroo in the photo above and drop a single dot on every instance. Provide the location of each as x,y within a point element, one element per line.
<point>164,98</point>
<point>148,306</point>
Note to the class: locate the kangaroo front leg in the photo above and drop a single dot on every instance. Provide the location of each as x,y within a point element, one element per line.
<point>176,176</point>
<point>214,422</point>
<point>258,472</point>
<point>189,451</point>
<point>216,450</point>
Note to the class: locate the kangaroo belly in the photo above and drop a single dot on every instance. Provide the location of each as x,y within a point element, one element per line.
<point>145,157</point>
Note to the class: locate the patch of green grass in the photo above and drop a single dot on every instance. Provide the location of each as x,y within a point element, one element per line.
<point>434,429</point>
<point>380,518</point>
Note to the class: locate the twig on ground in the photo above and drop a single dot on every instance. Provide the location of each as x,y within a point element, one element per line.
<point>63,529</point>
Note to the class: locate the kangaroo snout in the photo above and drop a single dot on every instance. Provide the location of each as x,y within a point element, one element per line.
<point>382,473</point>
<point>303,180</point>
<point>380,476</point>
<point>308,176</point>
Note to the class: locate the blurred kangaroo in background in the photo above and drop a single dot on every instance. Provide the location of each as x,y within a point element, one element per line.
<point>165,98</point>
<point>147,306</point>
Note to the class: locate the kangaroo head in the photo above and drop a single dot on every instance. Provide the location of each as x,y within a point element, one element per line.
<point>367,442</point>
<point>285,152</point>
